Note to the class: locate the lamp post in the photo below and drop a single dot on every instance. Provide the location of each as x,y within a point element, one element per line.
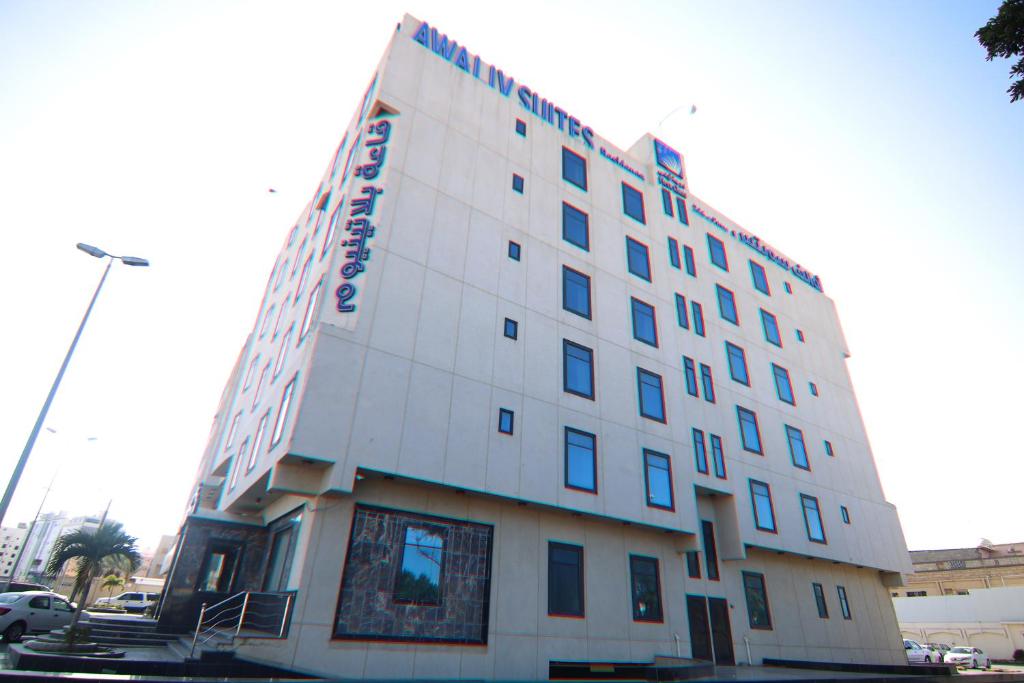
<point>20,467</point>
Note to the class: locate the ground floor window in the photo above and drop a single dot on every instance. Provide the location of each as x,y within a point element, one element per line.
<point>565,580</point>
<point>646,588</point>
<point>757,601</point>
<point>219,567</point>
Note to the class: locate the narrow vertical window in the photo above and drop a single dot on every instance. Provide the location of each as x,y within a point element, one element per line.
<point>266,320</point>
<point>682,317</point>
<point>251,372</point>
<point>812,518</point>
<point>575,292</point>
<point>760,278</point>
<point>257,441</point>
<point>737,363</point>
<point>691,265</point>
<point>800,336</point>
<point>819,600</point>
<point>311,303</point>
<point>574,169</point>
<point>517,183</point>
<point>637,260</point>
<point>259,385</point>
<point>797,449</point>
<point>633,203</point>
<point>673,253</point>
<point>575,227</point>
<point>716,250</point>
<point>580,460</point>
<point>282,352</point>
<point>419,581</point>
<point>718,456</point>
<point>750,434</point>
<point>844,605</point>
<point>828,449</point>
<point>658,480</point>
<point>789,290</point>
<point>645,327</point>
<point>282,412</point>
<point>708,382</point>
<point>727,305</point>
<point>303,278</point>
<point>666,203</point>
<point>643,574</point>
<point>652,400</point>
<point>761,502</point>
<point>565,580</point>
<point>771,328</point>
<point>511,328</point>
<point>813,387</point>
<point>693,564</point>
<point>281,275</point>
<point>690,374</point>
<point>506,420</point>
<point>233,430</point>
<point>578,369</point>
<point>845,514</point>
<point>707,533</point>
<point>700,453</point>
<point>514,250</point>
<point>757,601</point>
<point>783,387</point>
<point>697,312</point>
<point>236,465</point>
<point>681,211</point>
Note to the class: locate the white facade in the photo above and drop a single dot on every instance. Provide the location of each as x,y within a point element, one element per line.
<point>11,541</point>
<point>991,619</point>
<point>399,382</point>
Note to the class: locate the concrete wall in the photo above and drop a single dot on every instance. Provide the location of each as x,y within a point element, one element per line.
<point>991,619</point>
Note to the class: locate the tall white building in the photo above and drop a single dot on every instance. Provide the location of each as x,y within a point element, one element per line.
<point>11,541</point>
<point>48,527</point>
<point>516,396</point>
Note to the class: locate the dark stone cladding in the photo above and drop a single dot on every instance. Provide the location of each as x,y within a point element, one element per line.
<point>367,609</point>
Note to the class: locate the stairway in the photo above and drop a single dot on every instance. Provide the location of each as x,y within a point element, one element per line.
<point>123,632</point>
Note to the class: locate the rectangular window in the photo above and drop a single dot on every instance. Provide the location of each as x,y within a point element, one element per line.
<point>637,260</point>
<point>828,448</point>
<point>574,168</point>
<point>517,183</point>
<point>789,290</point>
<point>737,363</point>
<point>257,441</point>
<point>673,252</point>
<point>707,382</point>
<point>578,370</point>
<point>266,320</point>
<point>797,450</point>
<point>813,387</point>
<point>303,278</point>
<point>231,432</point>
<point>771,328</point>
<point>682,317</point>
<point>658,480</point>
<point>718,456</point>
<point>697,312</point>
<point>514,250</point>
<point>506,420</point>
<point>575,226</point>
<point>819,600</point>
<point>666,203</point>
<point>419,581</point>
<point>700,453</point>
<point>251,372</point>
<point>521,127</point>
<point>282,412</point>
<point>845,514</point>
<point>645,328</point>
<point>761,501</point>
<point>681,210</point>
<point>633,203</point>
<point>690,373</point>
<point>727,305</point>
<point>511,328</point>
<point>750,435</point>
<point>843,604</point>
<point>236,465</point>
<point>757,601</point>
<point>800,335</point>
<point>652,400</point>
<point>575,292</point>
<point>691,265</point>
<point>580,460</point>
<point>332,228</point>
<point>717,252</point>
<point>760,278</point>
<point>643,574</point>
<point>259,384</point>
<point>282,352</point>
<point>311,302</point>
<point>707,532</point>
<point>565,580</point>
<point>783,387</point>
<point>812,518</point>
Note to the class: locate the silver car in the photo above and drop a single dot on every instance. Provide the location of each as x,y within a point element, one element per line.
<point>32,612</point>
<point>968,656</point>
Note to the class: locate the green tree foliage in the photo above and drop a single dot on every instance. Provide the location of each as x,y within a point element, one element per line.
<point>110,582</point>
<point>1003,36</point>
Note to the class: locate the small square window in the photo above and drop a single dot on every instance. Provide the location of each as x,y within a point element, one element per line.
<point>717,252</point>
<point>828,449</point>
<point>517,183</point>
<point>521,127</point>
<point>727,305</point>
<point>666,203</point>
<point>697,313</point>
<point>511,328</point>
<point>505,420</point>
<point>574,168</point>
<point>800,335</point>
<point>789,290</point>
<point>681,211</point>
<point>845,514</point>
<point>575,227</point>
<point>645,327</point>
<point>813,387</point>
<point>633,203</point>
<point>637,260</point>
<point>691,265</point>
<point>514,251</point>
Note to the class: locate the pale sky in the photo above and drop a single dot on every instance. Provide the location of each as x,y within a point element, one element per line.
<point>869,141</point>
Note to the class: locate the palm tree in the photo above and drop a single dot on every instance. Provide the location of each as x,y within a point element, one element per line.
<point>110,582</point>
<point>91,550</point>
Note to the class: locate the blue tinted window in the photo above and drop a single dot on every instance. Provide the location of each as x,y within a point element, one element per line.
<point>800,335</point>
<point>750,435</point>
<point>652,401</point>
<point>645,328</point>
<point>761,501</point>
<point>673,253</point>
<point>633,203</point>
<point>691,266</point>
<point>517,183</point>
<point>845,514</point>
<point>717,252</point>
<point>707,382</point>
<point>574,168</point>
<point>789,290</point>
<point>797,450</point>
<point>727,305</point>
<point>578,370</point>
<point>514,250</point>
<point>636,259</point>
<point>737,363</point>
<point>575,227</point>
<point>700,452</point>
<point>813,387</point>
<point>760,278</point>
<point>771,328</point>
<point>658,477</point>
<point>718,456</point>
<point>783,388</point>
<point>666,202</point>
<point>511,328</point>
<point>828,448</point>
<point>698,317</point>
<point>681,315</point>
<point>681,210</point>
<point>690,373</point>
<point>521,127</point>
<point>812,519</point>
<point>580,460</point>
<point>505,419</point>
<point>843,604</point>
<point>575,292</point>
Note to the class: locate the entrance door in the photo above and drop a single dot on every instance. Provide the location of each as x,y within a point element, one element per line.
<point>702,634</point>
<point>700,641</point>
<point>721,632</point>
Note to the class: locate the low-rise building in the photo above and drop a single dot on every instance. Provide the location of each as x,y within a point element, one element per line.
<point>957,571</point>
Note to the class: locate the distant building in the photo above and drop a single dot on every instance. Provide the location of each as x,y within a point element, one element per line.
<point>11,541</point>
<point>151,567</point>
<point>47,529</point>
<point>956,571</point>
<point>991,619</point>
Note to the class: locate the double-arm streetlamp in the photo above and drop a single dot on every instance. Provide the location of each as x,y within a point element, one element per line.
<point>20,467</point>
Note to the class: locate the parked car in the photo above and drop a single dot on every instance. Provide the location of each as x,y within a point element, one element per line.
<point>941,648</point>
<point>130,602</point>
<point>21,587</point>
<point>968,656</point>
<point>32,612</point>
<point>920,654</point>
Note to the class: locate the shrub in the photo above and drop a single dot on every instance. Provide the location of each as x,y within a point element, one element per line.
<point>1018,655</point>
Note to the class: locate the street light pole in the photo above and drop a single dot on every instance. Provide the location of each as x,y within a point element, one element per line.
<point>23,460</point>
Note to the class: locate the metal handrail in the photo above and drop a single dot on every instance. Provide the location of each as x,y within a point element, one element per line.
<point>207,627</point>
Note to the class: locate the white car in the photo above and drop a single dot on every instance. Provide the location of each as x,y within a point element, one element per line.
<point>968,656</point>
<point>130,602</point>
<point>32,611</point>
<point>919,654</point>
